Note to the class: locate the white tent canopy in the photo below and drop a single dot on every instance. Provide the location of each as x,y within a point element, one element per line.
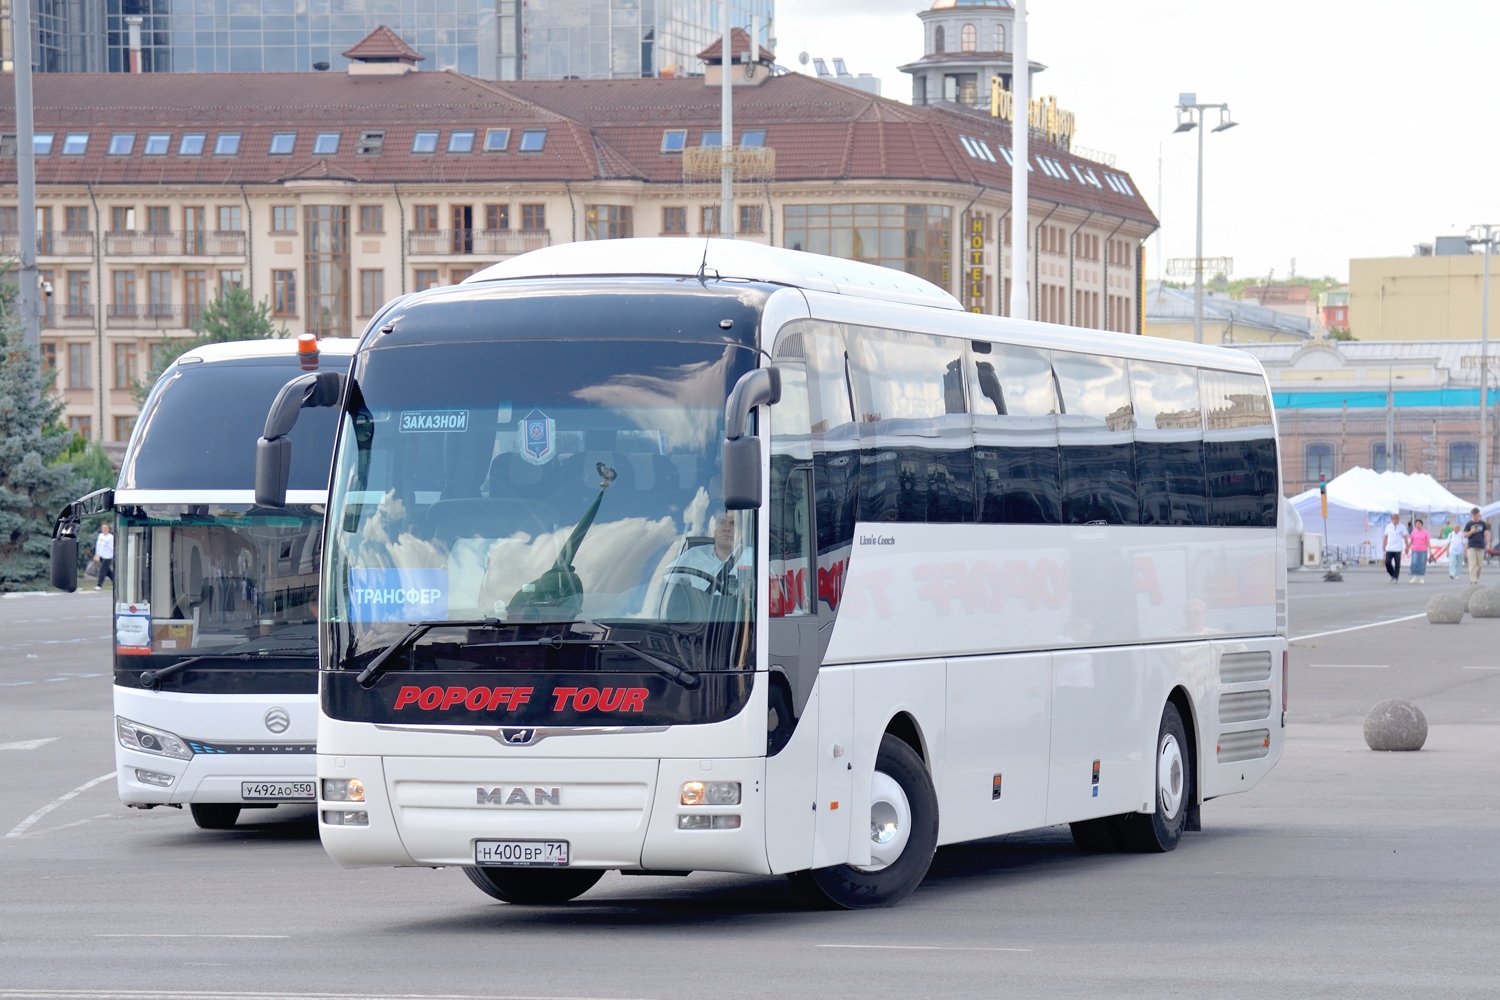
<point>1361,500</point>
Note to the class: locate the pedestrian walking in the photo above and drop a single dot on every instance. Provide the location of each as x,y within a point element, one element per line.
<point>1476,536</point>
<point>1418,544</point>
<point>1455,550</point>
<point>104,551</point>
<point>1395,545</point>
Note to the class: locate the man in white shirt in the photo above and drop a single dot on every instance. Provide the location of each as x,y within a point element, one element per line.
<point>1395,544</point>
<point>104,551</point>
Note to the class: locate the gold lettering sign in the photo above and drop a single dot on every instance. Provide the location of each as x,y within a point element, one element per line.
<point>1043,114</point>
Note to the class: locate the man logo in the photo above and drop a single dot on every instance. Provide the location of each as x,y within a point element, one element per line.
<point>277,720</point>
<point>518,797</point>
<point>519,737</point>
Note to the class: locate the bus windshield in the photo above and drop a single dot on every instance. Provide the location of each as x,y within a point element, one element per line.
<point>556,500</point>
<point>230,585</point>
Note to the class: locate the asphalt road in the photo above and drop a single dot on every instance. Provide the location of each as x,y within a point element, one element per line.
<point>1347,873</point>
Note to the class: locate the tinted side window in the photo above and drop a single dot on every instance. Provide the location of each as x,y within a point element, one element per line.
<point>1169,471</point>
<point>1016,472</point>
<point>835,443</point>
<point>1239,450</point>
<point>1095,440</point>
<point>916,454</point>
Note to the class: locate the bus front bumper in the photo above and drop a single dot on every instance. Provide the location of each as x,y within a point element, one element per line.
<point>613,814</point>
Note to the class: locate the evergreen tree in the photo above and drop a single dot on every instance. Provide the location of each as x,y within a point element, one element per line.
<point>232,316</point>
<point>33,488</point>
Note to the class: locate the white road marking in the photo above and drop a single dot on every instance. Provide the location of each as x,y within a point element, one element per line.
<point>254,937</point>
<point>1355,628</point>
<point>80,822</point>
<point>1466,668</point>
<point>26,823</point>
<point>915,947</point>
<point>27,744</point>
<point>1351,666</point>
<point>23,994</point>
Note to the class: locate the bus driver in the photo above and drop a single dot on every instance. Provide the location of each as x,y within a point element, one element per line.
<point>710,568</point>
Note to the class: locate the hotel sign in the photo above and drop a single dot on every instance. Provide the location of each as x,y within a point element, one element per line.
<point>976,264</point>
<point>1045,116</point>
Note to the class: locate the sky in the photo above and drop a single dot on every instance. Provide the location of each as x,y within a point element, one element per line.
<point>1365,127</point>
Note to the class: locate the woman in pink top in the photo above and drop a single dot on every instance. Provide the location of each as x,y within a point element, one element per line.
<point>1418,543</point>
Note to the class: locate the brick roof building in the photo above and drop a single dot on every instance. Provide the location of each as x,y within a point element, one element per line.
<point>328,193</point>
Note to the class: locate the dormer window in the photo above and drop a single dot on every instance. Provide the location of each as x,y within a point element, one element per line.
<point>968,38</point>
<point>939,39</point>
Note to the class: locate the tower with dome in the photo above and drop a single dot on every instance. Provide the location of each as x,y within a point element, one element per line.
<point>965,43</point>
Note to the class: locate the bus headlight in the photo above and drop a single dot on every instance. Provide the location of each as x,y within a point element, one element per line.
<point>343,790</point>
<point>342,817</point>
<point>710,793</point>
<point>706,821</point>
<point>135,736</point>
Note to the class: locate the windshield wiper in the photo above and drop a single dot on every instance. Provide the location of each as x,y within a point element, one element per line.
<point>686,678</point>
<point>151,678</point>
<point>376,667</point>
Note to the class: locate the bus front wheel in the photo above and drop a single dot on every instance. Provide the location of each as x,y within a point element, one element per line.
<point>903,837</point>
<point>1160,831</point>
<point>535,886</point>
<point>214,815</point>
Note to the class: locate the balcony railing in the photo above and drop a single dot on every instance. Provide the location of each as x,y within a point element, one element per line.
<point>150,317</point>
<point>76,314</point>
<point>63,244</point>
<point>478,242</point>
<point>201,243</point>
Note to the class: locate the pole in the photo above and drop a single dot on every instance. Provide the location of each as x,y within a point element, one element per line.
<point>1020,135</point>
<point>25,173</point>
<point>1390,422</point>
<point>1484,382</point>
<point>1198,263</point>
<point>726,127</point>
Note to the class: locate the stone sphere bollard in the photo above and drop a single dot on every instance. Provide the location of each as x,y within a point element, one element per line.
<point>1469,591</point>
<point>1396,724</point>
<point>1485,603</point>
<point>1446,609</point>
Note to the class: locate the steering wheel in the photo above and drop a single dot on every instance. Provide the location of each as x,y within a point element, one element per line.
<point>709,578</point>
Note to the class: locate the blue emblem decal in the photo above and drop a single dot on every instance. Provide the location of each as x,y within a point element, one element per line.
<point>538,438</point>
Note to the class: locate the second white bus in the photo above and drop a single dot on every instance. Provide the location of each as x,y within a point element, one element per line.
<point>659,556</point>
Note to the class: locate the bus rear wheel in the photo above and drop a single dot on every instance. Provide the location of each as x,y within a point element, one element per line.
<point>903,837</point>
<point>535,886</point>
<point>1160,831</point>
<point>215,815</point>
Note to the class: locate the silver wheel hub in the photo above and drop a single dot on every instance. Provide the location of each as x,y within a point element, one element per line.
<point>890,822</point>
<point>1171,780</point>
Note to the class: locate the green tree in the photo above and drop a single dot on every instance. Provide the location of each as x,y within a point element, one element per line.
<point>232,316</point>
<point>33,485</point>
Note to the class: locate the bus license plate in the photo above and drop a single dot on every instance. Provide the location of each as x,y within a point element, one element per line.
<point>522,853</point>
<point>277,790</point>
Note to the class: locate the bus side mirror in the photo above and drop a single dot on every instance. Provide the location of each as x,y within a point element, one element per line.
<point>65,563</point>
<point>65,536</point>
<point>742,458</point>
<point>273,452</point>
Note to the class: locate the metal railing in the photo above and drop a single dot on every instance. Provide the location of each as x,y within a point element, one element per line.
<point>76,314</point>
<point>476,242</point>
<point>158,316</point>
<point>200,243</point>
<point>64,244</point>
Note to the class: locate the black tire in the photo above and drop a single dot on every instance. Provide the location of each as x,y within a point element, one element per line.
<point>215,815</point>
<point>1176,790</point>
<point>535,886</point>
<point>846,887</point>
<point>1097,836</point>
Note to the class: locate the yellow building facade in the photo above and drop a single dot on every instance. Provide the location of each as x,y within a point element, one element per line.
<point>1430,297</point>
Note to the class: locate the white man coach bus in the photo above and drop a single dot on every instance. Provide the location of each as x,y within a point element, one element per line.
<point>983,576</point>
<point>215,601</point>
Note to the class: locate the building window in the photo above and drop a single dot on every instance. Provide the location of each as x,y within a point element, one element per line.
<point>496,139</point>
<point>49,357</point>
<point>497,218</point>
<point>123,427</point>
<point>752,218</point>
<point>48,290</point>
<point>82,426</point>
<point>426,278</point>
<point>939,39</point>
<point>911,238</point>
<point>80,367</point>
<point>41,143</point>
<point>425,218</point>
<point>191,144</point>
<point>80,301</point>
<point>229,218</point>
<point>673,140</point>
<point>1318,460</point>
<point>1000,38</point>
<point>10,219</point>
<point>283,218</point>
<point>158,294</point>
<point>121,220</point>
<point>461,141</point>
<point>674,221</point>
<point>282,143</point>
<point>1378,457</point>
<point>968,38</point>
<point>124,300</point>
<point>125,366</point>
<point>76,220</point>
<point>533,218</point>
<point>457,275</point>
<point>711,139</point>
<point>157,144</point>
<point>227,144</point>
<point>372,218</point>
<point>371,142</point>
<point>1463,460</point>
<point>230,280</point>
<point>708,219</point>
<point>158,219</point>
<point>327,259</point>
<point>121,143</point>
<point>194,297</point>
<point>371,291</point>
<point>533,140</point>
<point>75,144</point>
<point>608,222</point>
<point>424,142</point>
<point>753,138</point>
<point>284,293</point>
<point>326,144</point>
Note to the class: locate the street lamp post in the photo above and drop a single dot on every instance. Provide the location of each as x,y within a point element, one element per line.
<point>1189,117</point>
<point>1484,234</point>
